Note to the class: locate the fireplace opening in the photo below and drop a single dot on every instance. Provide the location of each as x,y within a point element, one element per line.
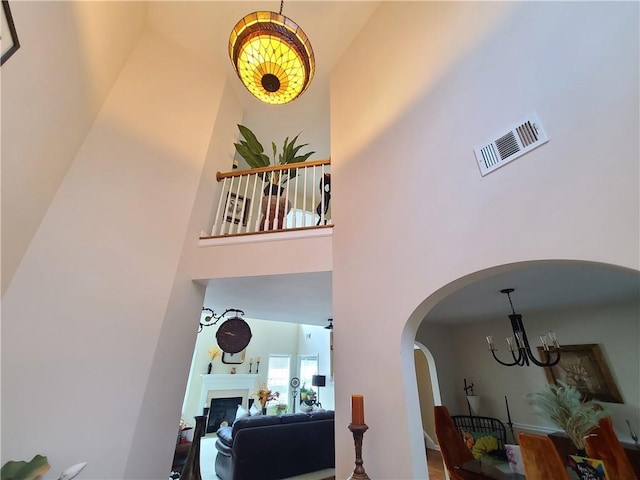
<point>222,410</point>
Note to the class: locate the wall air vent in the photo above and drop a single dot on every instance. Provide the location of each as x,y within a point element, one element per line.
<point>522,138</point>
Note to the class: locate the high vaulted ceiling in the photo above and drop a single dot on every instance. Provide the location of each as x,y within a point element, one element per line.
<point>203,28</point>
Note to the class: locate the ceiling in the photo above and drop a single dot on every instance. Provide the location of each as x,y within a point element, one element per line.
<point>203,28</point>
<point>539,286</point>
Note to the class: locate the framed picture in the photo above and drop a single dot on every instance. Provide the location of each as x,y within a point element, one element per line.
<point>585,368</point>
<point>233,358</point>
<point>237,208</point>
<point>9,38</point>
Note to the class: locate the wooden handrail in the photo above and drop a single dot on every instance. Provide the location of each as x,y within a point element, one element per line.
<point>275,168</point>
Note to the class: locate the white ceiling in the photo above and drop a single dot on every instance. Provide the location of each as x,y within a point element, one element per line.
<point>297,298</point>
<point>203,28</point>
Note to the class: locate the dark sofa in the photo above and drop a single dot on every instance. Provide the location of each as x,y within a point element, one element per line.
<point>273,447</point>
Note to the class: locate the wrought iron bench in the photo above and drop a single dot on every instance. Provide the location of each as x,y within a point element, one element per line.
<point>483,425</point>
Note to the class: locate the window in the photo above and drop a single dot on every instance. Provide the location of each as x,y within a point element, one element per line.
<point>278,374</point>
<point>308,367</point>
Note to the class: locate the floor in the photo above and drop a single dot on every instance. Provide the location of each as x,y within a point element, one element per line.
<point>435,465</point>
<point>208,460</point>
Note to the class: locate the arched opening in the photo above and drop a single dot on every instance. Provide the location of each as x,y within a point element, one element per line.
<point>584,302</point>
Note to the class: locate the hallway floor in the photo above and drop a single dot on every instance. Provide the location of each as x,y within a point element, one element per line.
<point>435,465</point>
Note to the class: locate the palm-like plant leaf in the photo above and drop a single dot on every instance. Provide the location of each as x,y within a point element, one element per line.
<point>253,152</point>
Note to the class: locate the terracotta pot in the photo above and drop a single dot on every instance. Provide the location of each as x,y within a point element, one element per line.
<point>275,205</point>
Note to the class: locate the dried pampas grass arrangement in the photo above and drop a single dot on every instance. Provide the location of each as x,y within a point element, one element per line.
<point>562,404</point>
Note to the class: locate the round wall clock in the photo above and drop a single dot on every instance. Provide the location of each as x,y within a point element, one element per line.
<point>234,335</point>
<point>295,382</point>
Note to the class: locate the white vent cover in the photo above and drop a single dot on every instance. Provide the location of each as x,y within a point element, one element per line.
<point>524,137</point>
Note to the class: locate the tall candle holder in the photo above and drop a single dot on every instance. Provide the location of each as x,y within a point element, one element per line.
<point>257,366</point>
<point>250,366</point>
<point>358,434</point>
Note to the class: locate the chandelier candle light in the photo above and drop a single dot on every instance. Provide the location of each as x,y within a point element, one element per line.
<point>520,343</point>
<point>272,56</point>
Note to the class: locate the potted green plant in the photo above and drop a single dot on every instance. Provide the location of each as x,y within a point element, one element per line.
<point>273,203</point>
<point>253,153</point>
<point>562,404</point>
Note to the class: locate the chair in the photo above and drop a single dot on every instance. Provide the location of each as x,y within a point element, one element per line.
<point>454,452</point>
<point>540,458</point>
<point>602,443</point>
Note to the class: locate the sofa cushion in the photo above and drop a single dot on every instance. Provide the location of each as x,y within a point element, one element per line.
<point>241,412</point>
<point>294,418</point>
<point>322,415</point>
<point>254,421</point>
<point>224,436</point>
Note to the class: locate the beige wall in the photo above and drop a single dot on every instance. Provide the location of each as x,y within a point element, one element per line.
<point>94,320</point>
<point>52,90</point>
<point>413,214</point>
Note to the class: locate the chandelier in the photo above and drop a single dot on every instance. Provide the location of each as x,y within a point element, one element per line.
<point>272,56</point>
<point>519,344</point>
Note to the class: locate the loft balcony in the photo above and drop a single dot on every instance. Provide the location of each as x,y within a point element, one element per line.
<point>250,205</point>
<point>254,233</point>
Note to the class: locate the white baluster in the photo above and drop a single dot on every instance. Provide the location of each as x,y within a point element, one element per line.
<point>217,220</point>
<point>295,201</point>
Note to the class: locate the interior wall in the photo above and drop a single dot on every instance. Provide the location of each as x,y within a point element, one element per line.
<point>412,212</point>
<point>107,265</point>
<point>425,392</point>
<point>71,55</point>
<point>614,327</point>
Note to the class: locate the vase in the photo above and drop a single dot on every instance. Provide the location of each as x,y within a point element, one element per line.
<point>264,410</point>
<point>191,468</point>
<point>209,368</point>
<point>274,204</point>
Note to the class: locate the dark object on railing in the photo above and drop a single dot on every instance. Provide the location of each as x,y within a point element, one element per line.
<point>325,186</point>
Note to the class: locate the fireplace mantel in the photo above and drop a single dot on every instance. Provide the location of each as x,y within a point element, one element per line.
<point>226,381</point>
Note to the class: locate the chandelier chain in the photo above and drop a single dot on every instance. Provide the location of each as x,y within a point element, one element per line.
<point>281,6</point>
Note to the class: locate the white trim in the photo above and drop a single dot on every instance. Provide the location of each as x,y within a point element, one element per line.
<point>533,428</point>
<point>266,237</point>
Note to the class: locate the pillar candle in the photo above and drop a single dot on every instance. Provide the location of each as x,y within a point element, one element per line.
<point>357,409</point>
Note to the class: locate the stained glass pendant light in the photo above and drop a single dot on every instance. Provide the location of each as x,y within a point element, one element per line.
<point>272,56</point>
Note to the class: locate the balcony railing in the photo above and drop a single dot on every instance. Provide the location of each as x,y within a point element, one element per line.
<point>250,204</point>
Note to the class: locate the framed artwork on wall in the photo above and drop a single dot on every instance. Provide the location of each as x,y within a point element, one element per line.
<point>10,41</point>
<point>585,368</point>
<point>234,358</point>
<point>237,208</point>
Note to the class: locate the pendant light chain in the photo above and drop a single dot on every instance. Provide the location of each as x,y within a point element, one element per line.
<point>281,6</point>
